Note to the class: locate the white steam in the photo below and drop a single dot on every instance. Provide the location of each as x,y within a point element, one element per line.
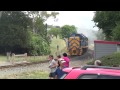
<point>91,34</point>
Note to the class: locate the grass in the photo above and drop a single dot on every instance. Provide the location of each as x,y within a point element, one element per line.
<point>55,42</point>
<point>36,74</point>
<point>53,45</point>
<point>29,75</point>
<point>3,59</point>
<point>37,58</point>
<point>109,60</point>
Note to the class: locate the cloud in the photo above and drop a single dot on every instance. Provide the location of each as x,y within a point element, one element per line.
<point>81,19</point>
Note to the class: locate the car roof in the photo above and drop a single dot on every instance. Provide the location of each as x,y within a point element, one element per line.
<point>75,73</point>
<point>95,71</point>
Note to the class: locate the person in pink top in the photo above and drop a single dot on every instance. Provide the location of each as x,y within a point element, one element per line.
<point>65,57</point>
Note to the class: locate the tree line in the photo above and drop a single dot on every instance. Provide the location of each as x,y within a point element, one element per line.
<point>62,32</point>
<point>108,23</point>
<point>26,32</point>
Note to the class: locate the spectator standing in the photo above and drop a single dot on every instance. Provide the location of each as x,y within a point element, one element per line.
<point>52,66</point>
<point>67,60</point>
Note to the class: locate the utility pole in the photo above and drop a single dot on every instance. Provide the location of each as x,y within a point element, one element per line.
<point>46,28</point>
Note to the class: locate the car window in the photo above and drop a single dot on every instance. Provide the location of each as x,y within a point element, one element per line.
<point>64,75</point>
<point>108,77</point>
<point>88,76</point>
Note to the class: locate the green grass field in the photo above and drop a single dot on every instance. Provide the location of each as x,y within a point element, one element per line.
<point>29,75</point>
<point>3,59</point>
<point>55,42</point>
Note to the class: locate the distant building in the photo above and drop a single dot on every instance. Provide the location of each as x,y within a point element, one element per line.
<point>103,48</point>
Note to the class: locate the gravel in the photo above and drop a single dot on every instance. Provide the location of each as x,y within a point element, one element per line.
<point>20,69</point>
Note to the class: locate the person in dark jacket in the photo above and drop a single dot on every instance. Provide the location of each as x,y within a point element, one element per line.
<point>59,71</point>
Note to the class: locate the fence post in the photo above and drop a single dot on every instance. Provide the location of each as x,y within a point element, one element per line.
<point>26,57</point>
<point>13,58</point>
<point>8,56</point>
<point>34,57</point>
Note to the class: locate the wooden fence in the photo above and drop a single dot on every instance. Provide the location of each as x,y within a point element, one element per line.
<point>14,56</point>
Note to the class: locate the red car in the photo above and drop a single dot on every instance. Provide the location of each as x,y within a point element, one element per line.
<point>91,72</point>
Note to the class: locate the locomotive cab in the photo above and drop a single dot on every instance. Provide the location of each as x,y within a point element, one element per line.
<point>77,44</point>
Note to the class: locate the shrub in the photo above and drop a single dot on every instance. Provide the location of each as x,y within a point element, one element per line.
<point>38,46</point>
<point>109,60</point>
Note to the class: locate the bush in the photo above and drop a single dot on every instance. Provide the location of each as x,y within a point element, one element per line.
<point>38,46</point>
<point>109,60</point>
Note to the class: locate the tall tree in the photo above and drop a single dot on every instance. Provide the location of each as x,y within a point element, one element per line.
<point>116,33</point>
<point>13,28</point>
<point>40,43</point>
<point>54,31</point>
<point>41,14</point>
<point>66,30</point>
<point>107,21</point>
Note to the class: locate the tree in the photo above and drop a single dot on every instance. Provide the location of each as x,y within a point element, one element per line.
<point>40,43</point>
<point>13,28</point>
<point>116,33</point>
<point>17,34</point>
<point>54,31</point>
<point>38,46</point>
<point>107,21</point>
<point>66,30</point>
<point>41,14</point>
<point>39,17</point>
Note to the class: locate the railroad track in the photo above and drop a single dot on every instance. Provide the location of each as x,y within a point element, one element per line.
<point>87,55</point>
<point>42,66</point>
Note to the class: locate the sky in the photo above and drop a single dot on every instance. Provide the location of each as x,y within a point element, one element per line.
<point>81,19</point>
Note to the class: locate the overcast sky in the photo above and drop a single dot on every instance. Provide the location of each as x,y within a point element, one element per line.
<point>81,19</point>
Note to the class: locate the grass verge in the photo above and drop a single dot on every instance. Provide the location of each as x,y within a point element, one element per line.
<point>29,75</point>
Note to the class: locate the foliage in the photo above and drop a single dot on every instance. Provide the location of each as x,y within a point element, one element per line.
<point>13,28</point>
<point>38,46</point>
<point>54,31</point>
<point>54,43</point>
<point>16,32</point>
<point>107,21</point>
<point>43,14</point>
<point>66,30</point>
<point>109,60</point>
<point>116,33</point>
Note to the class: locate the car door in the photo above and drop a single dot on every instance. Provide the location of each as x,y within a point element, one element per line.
<point>108,77</point>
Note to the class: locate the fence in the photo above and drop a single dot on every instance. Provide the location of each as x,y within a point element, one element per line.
<point>14,56</point>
